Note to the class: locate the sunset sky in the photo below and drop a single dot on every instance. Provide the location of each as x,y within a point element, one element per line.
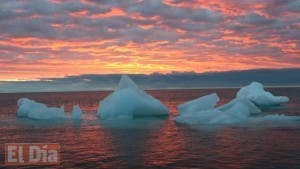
<point>53,38</point>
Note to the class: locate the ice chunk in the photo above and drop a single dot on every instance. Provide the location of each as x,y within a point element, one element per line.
<point>26,106</point>
<point>47,113</point>
<point>200,104</point>
<point>34,110</point>
<point>126,82</point>
<point>280,117</point>
<point>201,117</point>
<point>76,112</point>
<point>129,101</point>
<point>245,105</point>
<point>236,111</point>
<point>256,93</point>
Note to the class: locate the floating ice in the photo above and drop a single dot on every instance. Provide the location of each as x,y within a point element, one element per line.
<point>125,82</point>
<point>76,113</point>
<point>34,110</point>
<point>245,105</point>
<point>202,103</point>
<point>47,114</point>
<point>256,93</point>
<point>26,106</point>
<point>236,111</point>
<point>129,101</point>
<point>201,117</point>
<point>279,117</point>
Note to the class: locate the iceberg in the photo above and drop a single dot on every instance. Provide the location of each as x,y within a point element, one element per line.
<point>236,111</point>
<point>47,114</point>
<point>26,106</point>
<point>256,93</point>
<point>76,113</point>
<point>202,103</point>
<point>201,117</point>
<point>129,101</point>
<point>241,105</point>
<point>38,111</point>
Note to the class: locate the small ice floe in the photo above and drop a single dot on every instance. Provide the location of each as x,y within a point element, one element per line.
<point>256,93</point>
<point>38,111</point>
<point>129,101</point>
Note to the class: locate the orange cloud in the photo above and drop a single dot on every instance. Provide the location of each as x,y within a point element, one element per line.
<point>59,38</point>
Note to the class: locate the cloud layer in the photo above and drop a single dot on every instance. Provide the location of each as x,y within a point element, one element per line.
<point>50,38</point>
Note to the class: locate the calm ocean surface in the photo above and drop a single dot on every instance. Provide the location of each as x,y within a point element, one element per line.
<point>156,142</point>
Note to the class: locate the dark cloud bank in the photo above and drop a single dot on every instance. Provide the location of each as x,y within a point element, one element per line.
<point>269,77</point>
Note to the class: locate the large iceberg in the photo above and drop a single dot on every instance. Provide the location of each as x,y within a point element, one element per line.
<point>236,111</point>
<point>38,111</point>
<point>256,93</point>
<point>129,101</point>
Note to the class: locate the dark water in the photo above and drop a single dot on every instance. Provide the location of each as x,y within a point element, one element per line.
<point>156,142</point>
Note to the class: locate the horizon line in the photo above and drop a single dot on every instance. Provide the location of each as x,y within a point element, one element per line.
<point>149,89</point>
<point>153,73</point>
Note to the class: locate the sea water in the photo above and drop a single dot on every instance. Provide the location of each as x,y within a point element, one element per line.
<point>155,142</point>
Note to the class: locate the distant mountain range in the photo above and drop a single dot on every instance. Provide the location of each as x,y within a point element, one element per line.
<point>91,82</point>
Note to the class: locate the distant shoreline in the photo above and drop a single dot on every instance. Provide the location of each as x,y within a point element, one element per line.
<point>110,90</point>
